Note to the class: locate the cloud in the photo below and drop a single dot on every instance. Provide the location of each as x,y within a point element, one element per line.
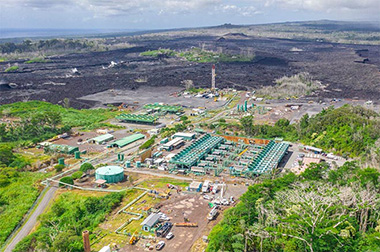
<point>245,11</point>
<point>236,8</point>
<point>326,5</point>
<point>36,4</point>
<point>121,7</point>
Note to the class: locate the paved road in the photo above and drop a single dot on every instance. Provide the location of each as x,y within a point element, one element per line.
<point>159,174</point>
<point>25,230</point>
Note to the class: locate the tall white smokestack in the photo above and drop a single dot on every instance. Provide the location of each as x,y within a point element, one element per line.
<point>213,77</point>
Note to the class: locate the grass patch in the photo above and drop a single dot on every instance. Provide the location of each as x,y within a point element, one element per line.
<point>15,200</point>
<point>72,117</point>
<point>37,60</point>
<point>202,56</point>
<point>157,53</point>
<point>70,214</point>
<point>198,55</point>
<point>11,69</point>
<point>160,183</point>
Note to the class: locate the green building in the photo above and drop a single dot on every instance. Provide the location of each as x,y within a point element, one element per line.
<point>126,140</point>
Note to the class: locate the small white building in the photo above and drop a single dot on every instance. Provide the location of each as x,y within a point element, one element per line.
<point>195,186</point>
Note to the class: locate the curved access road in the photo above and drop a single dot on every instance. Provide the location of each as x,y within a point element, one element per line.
<point>31,222</point>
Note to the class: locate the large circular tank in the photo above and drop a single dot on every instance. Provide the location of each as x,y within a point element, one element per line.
<point>110,173</point>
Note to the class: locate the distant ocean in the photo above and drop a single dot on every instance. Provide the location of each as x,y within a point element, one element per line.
<point>32,33</point>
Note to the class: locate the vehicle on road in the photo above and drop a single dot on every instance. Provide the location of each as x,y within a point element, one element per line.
<point>160,245</point>
<point>169,236</point>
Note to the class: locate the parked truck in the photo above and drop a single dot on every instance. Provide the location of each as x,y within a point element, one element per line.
<point>213,213</point>
<point>206,186</point>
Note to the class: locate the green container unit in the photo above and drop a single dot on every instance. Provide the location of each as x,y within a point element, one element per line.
<point>138,164</point>
<point>164,141</point>
<point>120,156</point>
<point>128,164</point>
<point>61,161</point>
<point>111,174</point>
<point>77,154</point>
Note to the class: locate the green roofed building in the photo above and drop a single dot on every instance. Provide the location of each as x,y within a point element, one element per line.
<point>126,140</point>
<point>164,108</point>
<point>133,118</point>
<point>61,148</point>
<point>101,139</point>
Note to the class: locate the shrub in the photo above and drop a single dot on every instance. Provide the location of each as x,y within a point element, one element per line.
<point>77,175</point>
<point>67,180</point>
<point>86,167</point>
<point>59,167</point>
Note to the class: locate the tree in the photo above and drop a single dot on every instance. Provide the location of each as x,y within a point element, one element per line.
<point>6,155</point>
<point>77,175</point>
<point>247,124</point>
<point>66,103</point>
<point>184,118</point>
<point>66,180</point>
<point>308,212</point>
<point>86,167</point>
<point>59,167</point>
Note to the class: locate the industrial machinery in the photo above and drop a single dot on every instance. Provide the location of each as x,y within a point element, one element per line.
<point>133,239</point>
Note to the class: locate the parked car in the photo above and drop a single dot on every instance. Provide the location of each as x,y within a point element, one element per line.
<point>206,197</point>
<point>225,202</point>
<point>160,245</point>
<point>169,236</point>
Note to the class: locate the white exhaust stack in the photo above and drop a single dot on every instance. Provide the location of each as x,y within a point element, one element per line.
<point>213,77</point>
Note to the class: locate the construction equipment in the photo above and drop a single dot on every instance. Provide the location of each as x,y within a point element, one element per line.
<point>186,224</point>
<point>133,239</point>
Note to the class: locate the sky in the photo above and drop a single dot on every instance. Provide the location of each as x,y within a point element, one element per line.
<point>162,14</point>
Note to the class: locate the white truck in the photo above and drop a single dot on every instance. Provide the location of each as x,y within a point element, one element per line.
<point>213,213</point>
<point>215,188</point>
<point>206,186</point>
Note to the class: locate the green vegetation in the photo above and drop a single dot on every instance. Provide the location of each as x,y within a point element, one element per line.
<point>11,69</point>
<point>159,53</point>
<point>86,167</point>
<point>148,143</point>
<point>18,191</point>
<point>77,175</point>
<point>70,116</point>
<point>46,45</point>
<point>59,167</point>
<point>61,227</point>
<point>348,130</point>
<point>199,55</point>
<point>66,180</point>
<point>162,182</point>
<point>202,56</point>
<point>42,120</point>
<point>319,211</point>
<point>194,90</point>
<point>37,60</point>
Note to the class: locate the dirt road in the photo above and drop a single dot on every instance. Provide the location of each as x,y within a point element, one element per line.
<point>25,230</point>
